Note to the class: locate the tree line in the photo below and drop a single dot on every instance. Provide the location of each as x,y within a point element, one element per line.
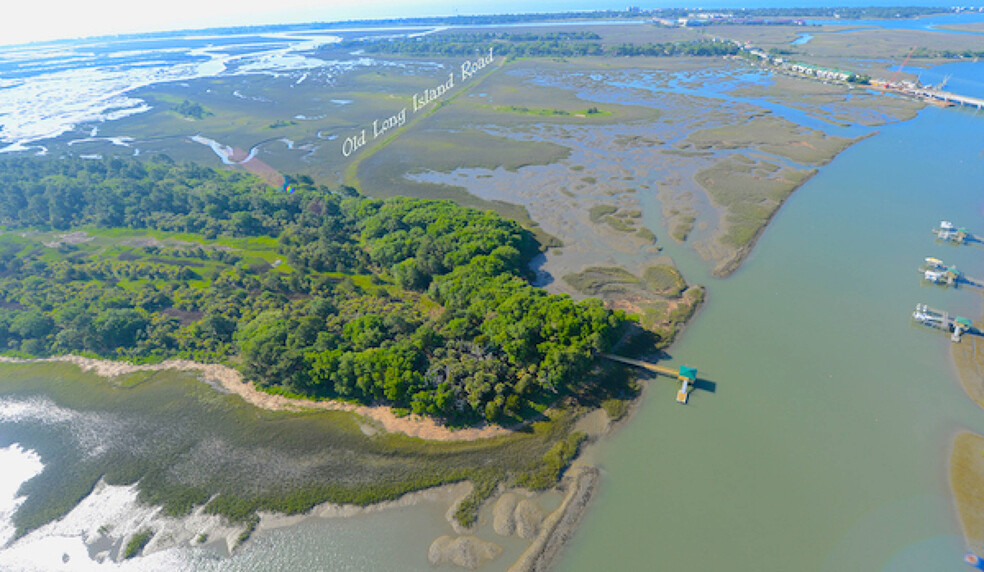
<point>548,45</point>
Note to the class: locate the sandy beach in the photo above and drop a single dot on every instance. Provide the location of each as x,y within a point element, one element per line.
<point>231,381</point>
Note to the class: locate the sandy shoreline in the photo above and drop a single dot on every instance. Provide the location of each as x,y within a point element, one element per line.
<point>966,473</point>
<point>231,380</point>
<point>128,515</point>
<point>966,468</point>
<point>558,528</point>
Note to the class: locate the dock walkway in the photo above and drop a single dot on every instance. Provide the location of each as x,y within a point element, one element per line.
<point>685,375</point>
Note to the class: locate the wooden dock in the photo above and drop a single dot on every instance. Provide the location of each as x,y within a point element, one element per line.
<point>685,375</point>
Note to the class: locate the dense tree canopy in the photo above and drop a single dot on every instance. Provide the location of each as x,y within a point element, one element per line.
<point>422,305</point>
<point>560,44</point>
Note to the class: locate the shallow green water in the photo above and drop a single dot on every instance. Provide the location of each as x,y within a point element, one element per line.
<point>825,443</point>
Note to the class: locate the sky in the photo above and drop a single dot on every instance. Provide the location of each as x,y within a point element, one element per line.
<point>23,21</point>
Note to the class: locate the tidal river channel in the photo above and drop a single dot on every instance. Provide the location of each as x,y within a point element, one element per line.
<point>824,442</point>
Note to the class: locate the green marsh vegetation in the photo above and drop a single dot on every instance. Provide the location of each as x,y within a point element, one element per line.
<point>137,543</point>
<point>772,135</point>
<point>619,219</point>
<point>660,296</point>
<point>544,112</point>
<point>598,280</point>
<point>751,191</point>
<point>207,448</point>
<point>192,110</point>
<point>835,103</point>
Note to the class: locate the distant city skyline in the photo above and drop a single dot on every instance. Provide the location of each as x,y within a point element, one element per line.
<point>42,20</point>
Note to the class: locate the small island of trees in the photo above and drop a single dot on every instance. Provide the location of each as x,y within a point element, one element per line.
<point>420,305</point>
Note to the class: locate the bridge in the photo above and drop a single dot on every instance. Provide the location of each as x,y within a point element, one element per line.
<point>947,97</point>
<point>685,375</point>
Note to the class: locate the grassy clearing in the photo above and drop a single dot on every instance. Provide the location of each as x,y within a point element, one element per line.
<point>845,47</point>
<point>967,27</point>
<point>667,318</point>
<point>601,280</point>
<point>513,97</point>
<point>149,252</point>
<point>383,174</point>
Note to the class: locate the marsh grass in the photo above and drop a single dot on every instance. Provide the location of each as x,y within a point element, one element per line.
<point>658,280</point>
<point>598,212</point>
<point>183,444</point>
<point>646,234</point>
<point>137,543</point>
<point>749,193</point>
<point>772,135</point>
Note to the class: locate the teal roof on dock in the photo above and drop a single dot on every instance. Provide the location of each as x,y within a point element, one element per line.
<point>688,372</point>
<point>960,320</point>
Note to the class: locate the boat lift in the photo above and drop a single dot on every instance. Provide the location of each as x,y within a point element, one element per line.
<point>941,320</point>
<point>937,272</point>
<point>947,232</point>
